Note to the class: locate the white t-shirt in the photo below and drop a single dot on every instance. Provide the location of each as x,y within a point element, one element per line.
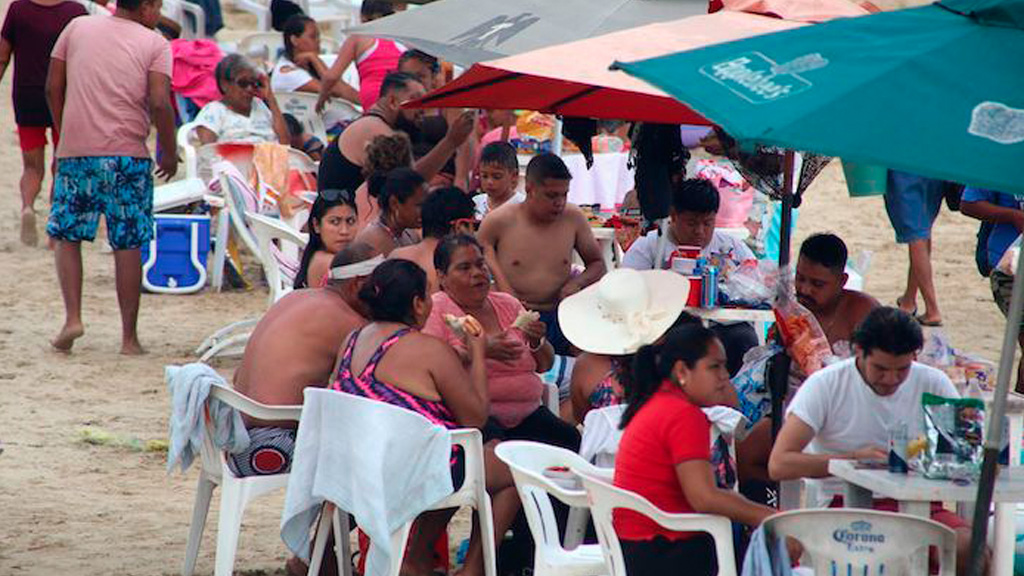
<point>483,207</point>
<point>288,76</point>
<point>229,126</point>
<point>651,251</point>
<point>846,414</point>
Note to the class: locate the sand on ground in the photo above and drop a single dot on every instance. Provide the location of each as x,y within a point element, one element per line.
<point>67,507</point>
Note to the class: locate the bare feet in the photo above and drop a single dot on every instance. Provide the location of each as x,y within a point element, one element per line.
<point>29,235</point>
<point>66,337</point>
<point>132,348</point>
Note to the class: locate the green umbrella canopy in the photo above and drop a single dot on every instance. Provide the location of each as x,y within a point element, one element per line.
<point>936,90</point>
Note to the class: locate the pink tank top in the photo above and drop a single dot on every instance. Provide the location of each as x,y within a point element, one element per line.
<point>373,66</point>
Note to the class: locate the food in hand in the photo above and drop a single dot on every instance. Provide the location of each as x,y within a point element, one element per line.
<point>464,324</point>
<point>914,447</point>
<point>525,318</point>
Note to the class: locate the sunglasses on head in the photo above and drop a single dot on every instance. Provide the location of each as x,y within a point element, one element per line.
<point>249,84</point>
<point>334,195</point>
<point>473,222</point>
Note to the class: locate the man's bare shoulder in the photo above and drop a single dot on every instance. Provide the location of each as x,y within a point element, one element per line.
<point>405,253</point>
<point>859,304</point>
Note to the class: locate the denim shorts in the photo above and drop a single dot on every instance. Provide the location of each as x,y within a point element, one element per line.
<point>118,187</point>
<point>912,203</point>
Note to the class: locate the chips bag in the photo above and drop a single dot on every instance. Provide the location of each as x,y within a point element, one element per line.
<point>804,339</point>
<point>954,428</point>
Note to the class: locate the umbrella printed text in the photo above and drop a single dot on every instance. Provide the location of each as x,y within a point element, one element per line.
<point>758,79</point>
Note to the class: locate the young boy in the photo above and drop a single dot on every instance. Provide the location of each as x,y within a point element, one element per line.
<point>29,32</point>
<point>499,176</point>
<point>109,79</point>
<point>529,245</point>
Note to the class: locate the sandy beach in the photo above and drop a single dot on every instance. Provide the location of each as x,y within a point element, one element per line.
<point>67,507</point>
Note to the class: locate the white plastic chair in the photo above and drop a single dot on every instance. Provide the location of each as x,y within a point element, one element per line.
<point>528,462</point>
<point>259,8</point>
<point>267,45</point>
<point>268,231</point>
<point>236,492</point>
<point>604,498</point>
<point>472,493</point>
<point>187,143</point>
<point>191,17</point>
<point>866,542</point>
<point>302,105</point>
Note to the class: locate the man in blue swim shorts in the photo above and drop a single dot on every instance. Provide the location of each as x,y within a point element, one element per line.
<point>913,203</point>
<point>109,78</point>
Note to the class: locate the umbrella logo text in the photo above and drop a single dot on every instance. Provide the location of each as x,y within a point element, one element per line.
<point>997,122</point>
<point>759,79</point>
<point>496,31</point>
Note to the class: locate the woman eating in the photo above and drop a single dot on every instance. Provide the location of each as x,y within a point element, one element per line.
<point>332,226</point>
<point>516,348</point>
<point>248,111</point>
<point>390,360</point>
<point>400,200</point>
<point>665,453</point>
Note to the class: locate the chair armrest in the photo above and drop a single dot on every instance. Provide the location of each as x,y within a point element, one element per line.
<point>255,409</point>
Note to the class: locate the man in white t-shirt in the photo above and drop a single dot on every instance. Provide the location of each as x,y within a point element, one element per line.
<point>845,411</point>
<point>692,216</point>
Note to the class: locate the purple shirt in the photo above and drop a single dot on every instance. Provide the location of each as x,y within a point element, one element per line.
<point>32,29</point>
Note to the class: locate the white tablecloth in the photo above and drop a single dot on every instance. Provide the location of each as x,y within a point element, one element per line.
<point>606,182</point>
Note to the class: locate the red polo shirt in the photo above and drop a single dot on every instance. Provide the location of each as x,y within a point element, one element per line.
<point>667,430</point>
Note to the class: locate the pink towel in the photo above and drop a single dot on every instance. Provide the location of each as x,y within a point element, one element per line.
<point>194,64</point>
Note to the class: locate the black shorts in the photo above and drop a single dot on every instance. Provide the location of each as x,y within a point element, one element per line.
<point>662,556</point>
<point>540,426</point>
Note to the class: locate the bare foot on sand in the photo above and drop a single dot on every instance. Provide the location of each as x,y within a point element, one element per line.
<point>29,235</point>
<point>132,348</point>
<point>67,336</point>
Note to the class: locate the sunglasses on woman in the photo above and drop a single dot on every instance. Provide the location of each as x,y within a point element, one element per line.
<point>335,195</point>
<point>246,84</point>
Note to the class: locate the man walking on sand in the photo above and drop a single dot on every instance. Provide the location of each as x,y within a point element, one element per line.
<point>108,78</point>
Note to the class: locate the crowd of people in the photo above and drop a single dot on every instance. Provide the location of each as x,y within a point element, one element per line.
<point>398,244</point>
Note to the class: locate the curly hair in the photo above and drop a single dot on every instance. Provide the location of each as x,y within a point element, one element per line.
<point>384,154</point>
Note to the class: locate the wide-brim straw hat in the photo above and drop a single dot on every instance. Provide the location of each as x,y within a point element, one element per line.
<point>624,310</point>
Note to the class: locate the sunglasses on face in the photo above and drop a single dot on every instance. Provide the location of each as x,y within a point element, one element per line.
<point>335,195</point>
<point>246,84</point>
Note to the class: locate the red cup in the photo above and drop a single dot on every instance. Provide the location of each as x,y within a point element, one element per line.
<point>696,287</point>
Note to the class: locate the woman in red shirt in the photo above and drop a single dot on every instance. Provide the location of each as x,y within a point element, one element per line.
<point>665,453</point>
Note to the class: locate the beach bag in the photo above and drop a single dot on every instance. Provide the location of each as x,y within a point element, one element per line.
<point>981,250</point>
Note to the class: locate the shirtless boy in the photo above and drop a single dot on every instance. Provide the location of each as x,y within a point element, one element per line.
<point>529,245</point>
<point>445,211</point>
<point>294,346</point>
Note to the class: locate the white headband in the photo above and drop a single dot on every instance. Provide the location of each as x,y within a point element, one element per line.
<point>356,269</point>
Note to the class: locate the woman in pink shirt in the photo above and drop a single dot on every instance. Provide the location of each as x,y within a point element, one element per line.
<point>514,354</point>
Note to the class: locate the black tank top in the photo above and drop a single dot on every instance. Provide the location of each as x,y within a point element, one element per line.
<point>338,172</point>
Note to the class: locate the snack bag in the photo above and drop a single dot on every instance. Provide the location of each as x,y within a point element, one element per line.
<point>954,430</point>
<point>804,339</point>
<point>1008,262</point>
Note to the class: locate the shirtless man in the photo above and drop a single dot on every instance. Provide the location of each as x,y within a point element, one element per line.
<point>295,345</point>
<point>445,211</point>
<point>342,166</point>
<point>820,277</point>
<point>529,246</point>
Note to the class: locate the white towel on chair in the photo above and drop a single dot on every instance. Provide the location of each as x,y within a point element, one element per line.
<point>189,386</point>
<point>383,464</point>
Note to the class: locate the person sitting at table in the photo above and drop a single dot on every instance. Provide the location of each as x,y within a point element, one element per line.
<point>692,223</point>
<point>845,412</point>
<point>293,346</point>
<point>819,283</point>
<point>515,354</point>
<point>401,201</point>
<point>390,360</point>
<point>247,112</point>
<point>445,211</point>
<point>665,453</point>
<point>331,226</point>
<point>529,246</point>
<point>498,171</point>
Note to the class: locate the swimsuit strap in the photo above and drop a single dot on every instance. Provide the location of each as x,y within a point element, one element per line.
<point>371,366</point>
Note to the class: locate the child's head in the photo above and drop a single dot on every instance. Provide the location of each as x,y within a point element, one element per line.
<point>296,131</point>
<point>693,212</point>
<point>446,211</point>
<point>499,170</point>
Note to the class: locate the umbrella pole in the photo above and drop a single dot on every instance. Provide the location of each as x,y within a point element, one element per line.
<point>780,367</point>
<point>993,440</point>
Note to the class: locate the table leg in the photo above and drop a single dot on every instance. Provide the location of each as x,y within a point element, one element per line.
<point>857,497</point>
<point>1003,539</point>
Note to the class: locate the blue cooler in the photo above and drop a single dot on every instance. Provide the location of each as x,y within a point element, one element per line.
<point>174,261</point>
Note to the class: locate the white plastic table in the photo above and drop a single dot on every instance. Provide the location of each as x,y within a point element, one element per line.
<point>763,318</point>
<point>915,494</point>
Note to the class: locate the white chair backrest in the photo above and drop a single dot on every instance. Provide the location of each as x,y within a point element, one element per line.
<point>191,17</point>
<point>866,542</point>
<point>239,198</point>
<point>277,267</point>
<point>302,105</point>
<point>188,142</point>
<point>605,498</point>
<point>267,46</point>
<point>213,458</point>
<point>259,8</point>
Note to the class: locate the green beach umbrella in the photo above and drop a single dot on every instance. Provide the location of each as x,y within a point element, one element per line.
<point>936,90</point>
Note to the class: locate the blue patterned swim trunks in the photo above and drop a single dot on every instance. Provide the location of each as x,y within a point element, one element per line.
<point>119,187</point>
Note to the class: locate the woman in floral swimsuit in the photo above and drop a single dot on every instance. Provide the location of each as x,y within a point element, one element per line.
<point>389,360</point>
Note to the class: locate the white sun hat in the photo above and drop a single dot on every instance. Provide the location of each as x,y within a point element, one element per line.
<point>624,310</point>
